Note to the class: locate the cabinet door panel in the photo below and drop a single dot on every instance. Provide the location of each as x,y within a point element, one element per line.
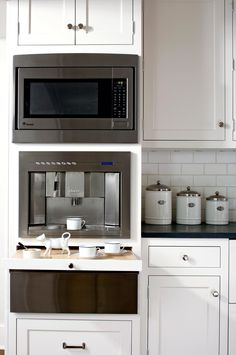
<point>183,315</point>
<point>38,336</point>
<point>184,70</point>
<point>107,22</point>
<point>45,22</point>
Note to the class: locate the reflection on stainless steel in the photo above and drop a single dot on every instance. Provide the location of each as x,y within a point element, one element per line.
<point>112,190</point>
<point>74,184</point>
<point>94,184</point>
<point>55,184</point>
<point>58,209</point>
<point>37,198</point>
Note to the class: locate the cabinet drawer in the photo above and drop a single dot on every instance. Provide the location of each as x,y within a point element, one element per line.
<point>73,292</point>
<point>42,336</point>
<point>185,257</point>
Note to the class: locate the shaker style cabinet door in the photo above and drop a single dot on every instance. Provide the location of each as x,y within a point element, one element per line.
<point>183,315</point>
<point>60,337</point>
<point>45,22</point>
<point>184,70</point>
<point>106,22</point>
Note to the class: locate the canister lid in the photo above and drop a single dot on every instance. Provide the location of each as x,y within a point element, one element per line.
<point>158,187</point>
<point>217,197</point>
<point>188,192</point>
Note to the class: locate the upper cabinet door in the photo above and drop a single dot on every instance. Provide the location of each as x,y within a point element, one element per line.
<point>46,22</point>
<point>184,97</point>
<point>106,22</point>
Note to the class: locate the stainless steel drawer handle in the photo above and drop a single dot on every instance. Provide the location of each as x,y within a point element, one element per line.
<point>215,293</point>
<point>65,346</point>
<point>185,257</point>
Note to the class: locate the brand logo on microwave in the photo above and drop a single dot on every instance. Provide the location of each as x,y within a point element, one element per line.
<point>28,124</point>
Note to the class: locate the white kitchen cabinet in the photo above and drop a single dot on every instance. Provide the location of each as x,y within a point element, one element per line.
<point>183,315</point>
<point>52,337</point>
<point>68,22</point>
<point>184,70</point>
<point>232,329</point>
<point>184,297</point>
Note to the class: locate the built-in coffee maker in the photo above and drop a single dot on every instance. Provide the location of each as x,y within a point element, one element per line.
<point>55,186</point>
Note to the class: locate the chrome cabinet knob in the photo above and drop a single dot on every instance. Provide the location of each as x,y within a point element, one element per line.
<point>221,124</point>
<point>185,257</point>
<point>80,26</point>
<point>215,293</point>
<point>70,26</point>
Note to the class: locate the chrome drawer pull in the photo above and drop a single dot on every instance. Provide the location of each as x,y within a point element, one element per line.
<point>65,346</point>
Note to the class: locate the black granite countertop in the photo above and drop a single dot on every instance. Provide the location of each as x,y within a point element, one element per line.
<point>183,231</point>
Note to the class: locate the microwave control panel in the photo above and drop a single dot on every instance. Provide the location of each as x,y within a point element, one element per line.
<point>119,98</point>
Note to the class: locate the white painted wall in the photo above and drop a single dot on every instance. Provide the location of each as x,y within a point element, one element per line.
<point>3,178</point>
<point>4,164</point>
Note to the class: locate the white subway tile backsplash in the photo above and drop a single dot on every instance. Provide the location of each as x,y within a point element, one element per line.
<point>232,169</point>
<point>204,180</point>
<point>232,203</point>
<point>192,169</point>
<point>181,180</point>
<point>204,157</point>
<point>144,180</point>
<point>169,169</point>
<point>231,192</point>
<point>181,157</point>
<point>226,180</point>
<point>159,157</point>
<point>232,215</point>
<point>205,171</point>
<point>226,156</point>
<point>144,157</point>
<point>215,169</point>
<point>150,168</point>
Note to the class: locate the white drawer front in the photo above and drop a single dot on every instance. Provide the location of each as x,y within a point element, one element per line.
<point>36,337</point>
<point>184,257</point>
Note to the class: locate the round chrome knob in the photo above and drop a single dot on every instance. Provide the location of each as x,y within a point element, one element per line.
<point>71,266</point>
<point>215,293</point>
<point>221,124</point>
<point>81,26</point>
<point>70,26</point>
<point>185,257</point>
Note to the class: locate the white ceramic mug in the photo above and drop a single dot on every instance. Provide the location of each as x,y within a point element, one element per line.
<point>113,247</point>
<point>88,251</point>
<point>75,223</point>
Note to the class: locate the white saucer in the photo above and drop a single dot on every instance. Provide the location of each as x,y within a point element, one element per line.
<point>122,252</point>
<point>97,256</point>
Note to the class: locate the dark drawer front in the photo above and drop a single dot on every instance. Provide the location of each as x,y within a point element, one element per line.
<point>73,292</point>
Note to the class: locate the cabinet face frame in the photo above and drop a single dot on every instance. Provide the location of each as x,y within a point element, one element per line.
<point>220,272</point>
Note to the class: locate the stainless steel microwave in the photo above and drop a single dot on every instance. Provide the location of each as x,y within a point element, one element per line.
<point>66,98</point>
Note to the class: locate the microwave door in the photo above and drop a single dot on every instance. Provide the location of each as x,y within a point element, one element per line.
<point>75,98</point>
